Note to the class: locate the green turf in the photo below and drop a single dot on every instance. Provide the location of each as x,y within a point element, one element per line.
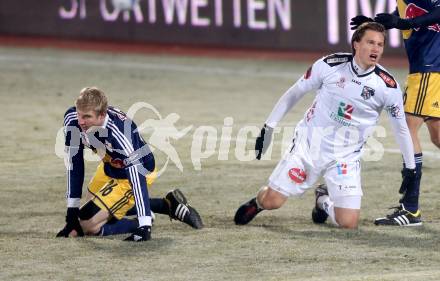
<point>37,86</point>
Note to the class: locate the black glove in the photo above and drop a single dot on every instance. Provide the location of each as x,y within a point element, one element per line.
<point>392,21</point>
<point>358,20</point>
<point>142,233</point>
<point>408,176</point>
<point>72,223</point>
<point>263,141</point>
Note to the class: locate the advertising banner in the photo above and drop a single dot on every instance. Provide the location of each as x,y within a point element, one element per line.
<point>312,25</point>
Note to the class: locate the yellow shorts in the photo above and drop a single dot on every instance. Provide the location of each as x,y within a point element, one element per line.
<point>422,94</point>
<point>114,195</point>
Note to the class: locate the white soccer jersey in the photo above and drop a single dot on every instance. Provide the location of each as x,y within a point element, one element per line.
<point>346,108</point>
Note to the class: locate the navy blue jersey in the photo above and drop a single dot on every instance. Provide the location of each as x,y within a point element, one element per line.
<point>422,44</point>
<point>124,152</point>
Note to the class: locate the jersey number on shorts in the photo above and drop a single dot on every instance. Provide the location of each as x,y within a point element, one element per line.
<point>108,188</point>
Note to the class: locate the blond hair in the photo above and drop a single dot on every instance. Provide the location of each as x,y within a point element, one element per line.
<point>92,98</point>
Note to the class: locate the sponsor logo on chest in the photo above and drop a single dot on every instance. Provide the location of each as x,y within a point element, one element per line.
<point>344,114</point>
<point>367,92</point>
<point>356,82</point>
<point>341,82</point>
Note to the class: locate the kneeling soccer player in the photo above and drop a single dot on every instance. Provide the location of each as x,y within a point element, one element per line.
<point>119,186</point>
<point>352,90</point>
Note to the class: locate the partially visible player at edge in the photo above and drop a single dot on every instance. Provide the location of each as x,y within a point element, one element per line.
<point>420,24</point>
<point>119,185</point>
<point>352,90</point>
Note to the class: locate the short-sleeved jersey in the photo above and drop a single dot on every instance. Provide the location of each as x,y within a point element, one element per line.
<point>422,44</point>
<point>347,105</point>
<point>122,149</point>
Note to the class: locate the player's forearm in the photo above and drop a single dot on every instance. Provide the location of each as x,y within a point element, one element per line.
<point>403,138</point>
<point>75,176</point>
<point>284,105</point>
<point>426,19</point>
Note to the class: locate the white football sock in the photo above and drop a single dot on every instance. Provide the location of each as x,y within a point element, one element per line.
<point>327,205</point>
<point>262,190</point>
<point>258,204</point>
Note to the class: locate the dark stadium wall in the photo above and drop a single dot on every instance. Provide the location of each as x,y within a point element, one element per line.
<point>314,25</point>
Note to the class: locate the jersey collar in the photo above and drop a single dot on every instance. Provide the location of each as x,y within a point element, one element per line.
<point>359,71</point>
<point>105,121</point>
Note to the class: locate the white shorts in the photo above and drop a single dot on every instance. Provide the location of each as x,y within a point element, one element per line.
<point>298,172</point>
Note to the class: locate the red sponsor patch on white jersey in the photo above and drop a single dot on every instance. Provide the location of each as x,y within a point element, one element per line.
<point>297,175</point>
<point>387,79</point>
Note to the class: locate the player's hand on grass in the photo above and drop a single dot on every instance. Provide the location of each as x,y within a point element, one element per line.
<point>358,20</point>
<point>408,176</point>
<point>263,141</point>
<point>72,224</point>
<point>142,233</point>
<point>392,21</point>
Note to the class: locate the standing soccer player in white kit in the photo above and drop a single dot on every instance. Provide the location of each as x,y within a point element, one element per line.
<point>352,90</point>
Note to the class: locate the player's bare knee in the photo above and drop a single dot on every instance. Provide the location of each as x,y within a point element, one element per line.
<point>270,199</point>
<point>269,204</point>
<point>85,225</point>
<point>348,224</point>
<point>92,218</point>
<point>94,230</point>
<point>347,218</point>
<point>89,227</point>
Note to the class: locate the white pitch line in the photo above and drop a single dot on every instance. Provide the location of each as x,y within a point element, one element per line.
<point>153,66</point>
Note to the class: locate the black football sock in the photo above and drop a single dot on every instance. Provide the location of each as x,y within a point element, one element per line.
<point>157,205</point>
<point>160,206</point>
<point>410,199</point>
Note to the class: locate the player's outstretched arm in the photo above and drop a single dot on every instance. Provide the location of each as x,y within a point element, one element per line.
<point>403,138</point>
<point>311,80</point>
<point>394,21</point>
<point>74,160</point>
<point>401,133</point>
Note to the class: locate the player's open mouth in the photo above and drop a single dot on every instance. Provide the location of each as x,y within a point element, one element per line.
<point>373,57</point>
